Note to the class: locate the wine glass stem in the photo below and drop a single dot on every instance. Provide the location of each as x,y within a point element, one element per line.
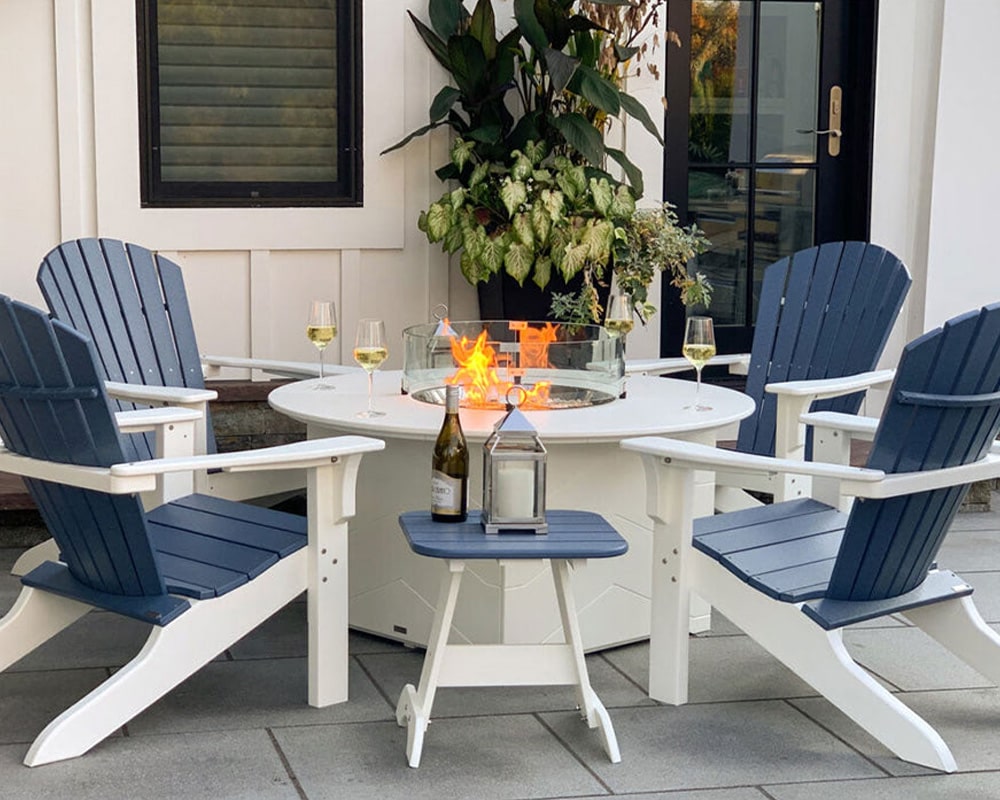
<point>321,363</point>
<point>697,385</point>
<point>371,380</point>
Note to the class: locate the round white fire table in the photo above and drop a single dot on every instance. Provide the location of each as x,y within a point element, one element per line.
<point>393,592</point>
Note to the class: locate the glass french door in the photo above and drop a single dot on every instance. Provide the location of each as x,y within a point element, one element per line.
<point>768,140</point>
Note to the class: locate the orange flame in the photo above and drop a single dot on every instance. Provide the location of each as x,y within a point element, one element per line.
<point>479,367</point>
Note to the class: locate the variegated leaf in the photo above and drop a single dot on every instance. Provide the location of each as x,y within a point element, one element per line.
<point>603,194</point>
<point>541,222</point>
<point>543,272</point>
<point>517,260</point>
<point>438,221</point>
<point>513,194</point>
<point>523,229</point>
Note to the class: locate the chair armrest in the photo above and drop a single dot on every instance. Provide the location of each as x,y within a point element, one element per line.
<point>287,369</point>
<point>831,387</point>
<point>150,419</point>
<point>98,478</point>
<point>795,397</point>
<point>737,363</point>
<point>861,427</point>
<point>168,395</point>
<point>700,456</point>
<point>299,455</point>
<point>855,481</point>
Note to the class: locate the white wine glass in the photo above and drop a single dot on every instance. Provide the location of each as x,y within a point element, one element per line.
<point>699,347</point>
<point>321,330</point>
<point>618,317</point>
<point>370,351</point>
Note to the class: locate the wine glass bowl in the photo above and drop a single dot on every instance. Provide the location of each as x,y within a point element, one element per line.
<point>699,348</point>
<point>618,317</point>
<point>370,350</point>
<point>321,330</point>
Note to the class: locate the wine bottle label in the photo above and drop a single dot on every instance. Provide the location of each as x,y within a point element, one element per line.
<point>446,493</point>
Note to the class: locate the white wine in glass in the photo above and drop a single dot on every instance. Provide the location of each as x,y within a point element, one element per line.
<point>618,317</point>
<point>699,347</point>
<point>321,330</point>
<point>370,351</point>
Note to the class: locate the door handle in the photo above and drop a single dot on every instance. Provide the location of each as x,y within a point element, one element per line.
<point>833,131</point>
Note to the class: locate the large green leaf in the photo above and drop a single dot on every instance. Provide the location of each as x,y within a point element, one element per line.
<point>446,15</point>
<point>518,260</point>
<point>542,273</point>
<point>524,13</point>
<point>632,173</point>
<point>443,101</point>
<point>596,90</point>
<point>479,173</point>
<point>461,152</point>
<point>489,134</point>
<point>637,110</point>
<point>468,67</point>
<point>484,28</point>
<point>521,168</point>
<point>598,235</point>
<point>438,221</point>
<point>491,256</point>
<point>513,194</point>
<point>580,135</point>
<point>436,45</point>
<point>524,230</point>
<point>602,193</point>
<point>574,260</point>
<point>541,223</point>
<point>561,67</point>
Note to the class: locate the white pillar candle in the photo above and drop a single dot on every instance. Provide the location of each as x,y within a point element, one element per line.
<point>515,491</point>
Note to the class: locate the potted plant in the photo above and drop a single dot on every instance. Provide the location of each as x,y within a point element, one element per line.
<point>533,205</point>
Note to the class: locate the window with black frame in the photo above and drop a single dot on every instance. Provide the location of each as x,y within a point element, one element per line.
<point>250,102</point>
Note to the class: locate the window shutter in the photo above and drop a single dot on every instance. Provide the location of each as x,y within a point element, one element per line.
<point>247,91</point>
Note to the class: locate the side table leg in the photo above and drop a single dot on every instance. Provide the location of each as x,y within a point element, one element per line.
<point>413,710</point>
<point>591,707</point>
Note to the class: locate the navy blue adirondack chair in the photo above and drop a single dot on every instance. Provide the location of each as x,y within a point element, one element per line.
<point>133,306</point>
<point>793,574</point>
<point>824,316</point>
<point>202,571</point>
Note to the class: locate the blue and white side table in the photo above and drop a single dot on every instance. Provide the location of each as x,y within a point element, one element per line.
<point>573,537</point>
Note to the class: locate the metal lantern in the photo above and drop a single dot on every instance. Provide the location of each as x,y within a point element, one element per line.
<point>514,477</point>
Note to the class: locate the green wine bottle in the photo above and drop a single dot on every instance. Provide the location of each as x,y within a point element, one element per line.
<point>450,466</point>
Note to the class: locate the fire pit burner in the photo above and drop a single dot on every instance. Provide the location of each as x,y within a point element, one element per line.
<point>559,366</point>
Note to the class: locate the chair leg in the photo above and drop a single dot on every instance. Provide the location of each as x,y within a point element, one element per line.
<point>34,556</point>
<point>958,625</point>
<point>35,618</point>
<point>820,658</point>
<point>591,707</point>
<point>413,710</point>
<point>170,654</point>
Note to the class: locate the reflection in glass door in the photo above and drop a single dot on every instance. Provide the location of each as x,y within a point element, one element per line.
<point>748,147</point>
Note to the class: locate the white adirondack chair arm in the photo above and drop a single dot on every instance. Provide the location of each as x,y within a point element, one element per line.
<point>854,481</point>
<point>286,369</point>
<point>150,419</point>
<point>170,395</point>
<point>831,387</point>
<point>299,455</point>
<point>836,421</point>
<point>700,456</point>
<point>98,478</point>
<point>737,362</point>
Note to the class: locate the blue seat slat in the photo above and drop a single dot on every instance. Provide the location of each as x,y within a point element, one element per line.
<point>757,514</point>
<point>831,614</point>
<point>277,542</point>
<point>195,546</point>
<point>258,515</point>
<point>770,529</point>
<point>155,609</point>
<point>214,581</point>
<point>759,561</point>
<point>572,534</point>
<point>796,583</point>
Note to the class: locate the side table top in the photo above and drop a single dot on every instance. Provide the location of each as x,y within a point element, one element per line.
<point>572,534</point>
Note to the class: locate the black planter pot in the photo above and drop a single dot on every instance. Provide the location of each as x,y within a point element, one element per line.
<point>501,297</point>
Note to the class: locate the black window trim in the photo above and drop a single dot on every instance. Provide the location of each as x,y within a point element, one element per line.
<point>346,192</point>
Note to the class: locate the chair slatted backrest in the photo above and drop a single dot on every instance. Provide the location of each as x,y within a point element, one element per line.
<point>943,411</point>
<point>132,305</point>
<point>825,312</point>
<point>53,407</point>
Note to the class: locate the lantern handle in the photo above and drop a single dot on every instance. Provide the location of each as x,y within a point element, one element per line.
<point>523,396</point>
